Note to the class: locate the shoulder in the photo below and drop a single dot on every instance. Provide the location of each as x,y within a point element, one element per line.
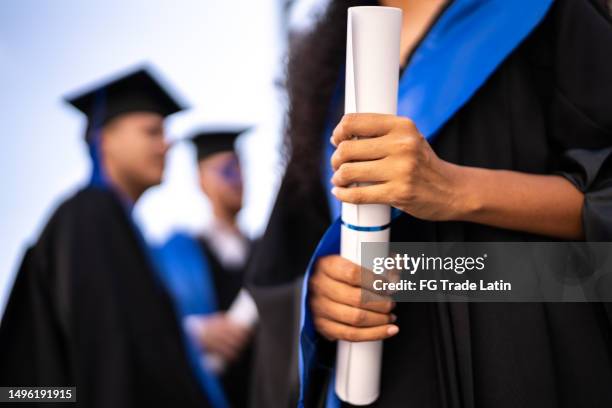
<point>178,239</point>
<point>88,198</point>
<point>179,244</point>
<point>179,251</point>
<point>89,202</point>
<point>571,58</point>
<point>580,18</point>
<point>579,9</point>
<point>86,208</point>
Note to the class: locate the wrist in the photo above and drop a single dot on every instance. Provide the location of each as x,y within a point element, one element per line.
<point>467,200</point>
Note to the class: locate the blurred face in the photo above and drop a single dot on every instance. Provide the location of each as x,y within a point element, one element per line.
<point>134,148</point>
<point>221,181</point>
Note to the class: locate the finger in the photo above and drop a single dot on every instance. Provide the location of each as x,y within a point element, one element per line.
<point>375,171</point>
<point>343,270</point>
<point>229,353</point>
<point>218,344</point>
<point>360,150</point>
<point>372,194</point>
<point>232,342</point>
<point>362,125</point>
<point>338,331</point>
<point>231,345</point>
<point>340,269</point>
<point>349,295</point>
<point>353,316</point>
<point>235,336</point>
<point>241,335</point>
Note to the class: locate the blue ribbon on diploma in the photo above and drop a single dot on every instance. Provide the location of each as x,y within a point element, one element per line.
<point>463,48</point>
<point>365,229</point>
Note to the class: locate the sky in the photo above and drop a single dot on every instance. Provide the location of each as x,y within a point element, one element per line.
<point>223,58</point>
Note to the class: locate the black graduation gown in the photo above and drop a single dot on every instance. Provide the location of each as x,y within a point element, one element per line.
<point>545,110</point>
<point>228,282</point>
<point>86,310</point>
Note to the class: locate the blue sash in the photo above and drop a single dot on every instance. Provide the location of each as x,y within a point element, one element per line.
<point>186,275</point>
<point>467,43</point>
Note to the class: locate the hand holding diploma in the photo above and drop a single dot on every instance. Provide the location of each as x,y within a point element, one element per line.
<point>219,335</point>
<point>336,305</point>
<point>224,335</point>
<point>372,62</point>
<point>395,165</point>
<point>398,164</point>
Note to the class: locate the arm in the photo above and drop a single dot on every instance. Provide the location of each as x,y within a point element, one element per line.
<point>408,175</point>
<point>540,204</point>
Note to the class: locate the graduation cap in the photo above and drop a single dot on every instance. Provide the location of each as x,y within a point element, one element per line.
<point>135,91</point>
<point>209,142</point>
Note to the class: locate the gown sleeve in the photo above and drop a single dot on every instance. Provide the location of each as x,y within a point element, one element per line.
<point>591,172</point>
<point>582,109</point>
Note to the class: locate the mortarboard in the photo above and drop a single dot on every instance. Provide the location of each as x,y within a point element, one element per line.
<point>209,142</point>
<point>138,90</point>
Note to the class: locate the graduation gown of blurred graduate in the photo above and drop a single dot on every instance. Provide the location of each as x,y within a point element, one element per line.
<point>201,284</point>
<point>86,309</point>
<point>521,85</point>
<point>205,274</point>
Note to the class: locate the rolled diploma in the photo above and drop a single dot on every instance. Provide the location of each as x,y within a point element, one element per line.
<point>372,74</point>
<point>243,312</point>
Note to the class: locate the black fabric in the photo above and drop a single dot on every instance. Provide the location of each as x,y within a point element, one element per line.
<point>228,282</point>
<point>591,171</point>
<point>86,310</point>
<point>208,142</point>
<point>546,110</point>
<point>138,90</point>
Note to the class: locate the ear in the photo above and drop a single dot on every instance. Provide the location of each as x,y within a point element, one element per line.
<point>203,178</point>
<point>105,141</point>
<point>109,138</point>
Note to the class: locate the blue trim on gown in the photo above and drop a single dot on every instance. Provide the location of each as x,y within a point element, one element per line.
<point>185,272</point>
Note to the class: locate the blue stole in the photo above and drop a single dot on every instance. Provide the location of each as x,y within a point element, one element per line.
<point>463,48</point>
<point>186,274</point>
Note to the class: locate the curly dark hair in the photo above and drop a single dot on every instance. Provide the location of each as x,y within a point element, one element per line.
<point>314,67</point>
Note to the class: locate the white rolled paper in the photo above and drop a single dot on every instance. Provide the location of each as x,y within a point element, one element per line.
<point>372,75</point>
<point>243,312</point>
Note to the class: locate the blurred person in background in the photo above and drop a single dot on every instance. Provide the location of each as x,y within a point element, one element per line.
<point>86,309</point>
<point>204,274</point>
<point>503,133</point>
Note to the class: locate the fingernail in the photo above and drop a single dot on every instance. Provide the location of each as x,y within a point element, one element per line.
<point>334,190</point>
<point>393,318</point>
<point>393,330</point>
